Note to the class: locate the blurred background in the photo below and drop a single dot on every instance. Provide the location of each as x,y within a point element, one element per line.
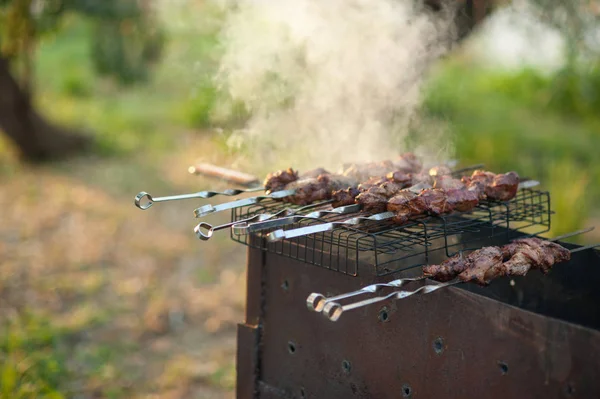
<point>101,100</point>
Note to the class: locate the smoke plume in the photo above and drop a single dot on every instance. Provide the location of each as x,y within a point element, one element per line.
<point>331,81</point>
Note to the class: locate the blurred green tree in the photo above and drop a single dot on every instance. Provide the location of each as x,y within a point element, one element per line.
<point>126,41</point>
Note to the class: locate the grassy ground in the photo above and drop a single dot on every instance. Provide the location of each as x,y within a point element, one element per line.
<point>101,300</point>
<point>97,298</point>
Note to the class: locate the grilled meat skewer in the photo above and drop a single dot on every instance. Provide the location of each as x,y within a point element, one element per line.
<point>488,263</point>
<point>407,162</point>
<point>332,309</point>
<point>422,206</point>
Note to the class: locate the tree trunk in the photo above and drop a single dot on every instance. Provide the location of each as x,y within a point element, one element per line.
<point>36,138</point>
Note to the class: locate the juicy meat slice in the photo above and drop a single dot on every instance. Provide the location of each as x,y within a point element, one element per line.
<point>480,262</point>
<point>547,253</point>
<point>344,197</point>
<point>321,188</point>
<point>391,188</point>
<point>372,201</point>
<point>448,183</point>
<point>371,182</point>
<point>435,201</point>
<point>406,204</point>
<point>277,181</point>
<point>400,177</point>
<point>461,200</point>
<point>503,187</point>
<point>409,163</point>
<point>448,269</point>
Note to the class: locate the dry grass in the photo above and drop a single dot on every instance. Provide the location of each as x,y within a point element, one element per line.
<point>147,309</point>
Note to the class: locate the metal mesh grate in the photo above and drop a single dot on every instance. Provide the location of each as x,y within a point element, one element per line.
<point>387,246</point>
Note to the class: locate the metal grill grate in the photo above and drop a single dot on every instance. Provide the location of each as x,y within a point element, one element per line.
<point>389,247</point>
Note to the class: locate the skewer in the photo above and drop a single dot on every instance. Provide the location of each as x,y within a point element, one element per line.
<point>262,221</point>
<point>279,235</point>
<point>317,302</point>
<point>238,176</point>
<point>333,310</point>
<point>208,209</point>
<point>245,228</point>
<point>201,194</point>
<point>211,229</point>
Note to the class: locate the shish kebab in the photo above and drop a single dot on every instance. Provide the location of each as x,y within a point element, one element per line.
<point>275,181</point>
<point>319,184</point>
<point>487,264</point>
<point>447,195</point>
<point>390,185</point>
<point>443,272</point>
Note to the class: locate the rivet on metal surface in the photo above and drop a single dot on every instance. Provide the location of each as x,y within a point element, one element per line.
<point>384,315</point>
<point>503,367</point>
<point>438,345</point>
<point>291,347</point>
<point>406,391</point>
<point>285,285</point>
<point>346,366</point>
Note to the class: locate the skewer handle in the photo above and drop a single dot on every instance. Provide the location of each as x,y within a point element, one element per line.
<point>149,200</point>
<point>233,176</point>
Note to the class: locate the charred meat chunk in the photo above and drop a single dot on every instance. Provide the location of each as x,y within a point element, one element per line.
<point>406,204</point>
<point>277,181</point>
<point>371,182</point>
<point>448,269</point>
<point>435,201</point>
<point>479,262</point>
<point>344,197</point>
<point>461,200</point>
<point>400,177</point>
<point>503,187</point>
<point>312,189</point>
<point>372,201</point>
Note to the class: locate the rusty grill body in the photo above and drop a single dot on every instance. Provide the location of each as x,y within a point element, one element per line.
<point>533,336</point>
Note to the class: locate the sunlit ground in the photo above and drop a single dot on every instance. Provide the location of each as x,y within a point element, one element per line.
<point>100,299</point>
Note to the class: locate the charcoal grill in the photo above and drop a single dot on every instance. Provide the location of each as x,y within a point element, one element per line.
<point>533,336</point>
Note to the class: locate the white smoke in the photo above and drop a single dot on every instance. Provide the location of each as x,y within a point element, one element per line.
<point>331,81</point>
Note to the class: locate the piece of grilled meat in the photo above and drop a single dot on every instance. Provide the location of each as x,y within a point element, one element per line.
<point>321,188</point>
<point>277,181</point>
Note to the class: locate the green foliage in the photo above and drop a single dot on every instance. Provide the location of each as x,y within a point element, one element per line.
<point>545,127</point>
<point>32,361</point>
<point>125,39</point>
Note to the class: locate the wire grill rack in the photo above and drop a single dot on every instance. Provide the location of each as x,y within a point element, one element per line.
<point>388,247</point>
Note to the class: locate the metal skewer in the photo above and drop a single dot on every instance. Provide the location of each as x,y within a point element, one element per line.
<point>333,310</point>
<point>317,302</point>
<point>208,209</point>
<point>201,194</point>
<point>245,228</point>
<point>210,229</point>
<point>262,218</point>
<point>279,235</point>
